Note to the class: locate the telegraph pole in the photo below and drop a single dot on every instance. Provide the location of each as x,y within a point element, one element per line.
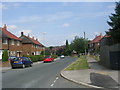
<point>85,43</point>
<point>44,41</point>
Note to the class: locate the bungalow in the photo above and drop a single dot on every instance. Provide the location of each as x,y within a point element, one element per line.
<point>9,42</point>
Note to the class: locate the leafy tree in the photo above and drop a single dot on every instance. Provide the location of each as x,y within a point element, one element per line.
<point>67,48</point>
<point>114,31</point>
<point>5,55</point>
<point>79,44</point>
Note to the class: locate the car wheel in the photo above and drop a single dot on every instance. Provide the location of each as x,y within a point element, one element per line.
<point>23,66</point>
<point>30,65</point>
<point>13,67</point>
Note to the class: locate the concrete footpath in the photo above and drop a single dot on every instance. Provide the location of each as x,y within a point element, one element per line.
<point>95,77</point>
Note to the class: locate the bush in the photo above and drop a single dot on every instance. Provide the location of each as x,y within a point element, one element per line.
<point>54,56</point>
<point>5,56</point>
<point>35,58</point>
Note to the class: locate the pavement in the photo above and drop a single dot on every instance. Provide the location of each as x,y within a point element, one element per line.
<point>96,77</point>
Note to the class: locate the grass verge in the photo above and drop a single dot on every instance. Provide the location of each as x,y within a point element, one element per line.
<point>79,64</point>
<point>96,57</point>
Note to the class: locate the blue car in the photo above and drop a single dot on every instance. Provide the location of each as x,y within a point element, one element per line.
<point>21,62</point>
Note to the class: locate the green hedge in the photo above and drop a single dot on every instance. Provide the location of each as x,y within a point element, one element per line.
<point>36,57</point>
<point>54,56</point>
<point>5,55</point>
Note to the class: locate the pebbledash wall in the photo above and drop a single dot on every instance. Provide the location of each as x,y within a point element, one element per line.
<point>109,55</point>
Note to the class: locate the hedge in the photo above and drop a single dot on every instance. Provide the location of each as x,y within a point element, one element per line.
<point>54,56</point>
<point>38,57</point>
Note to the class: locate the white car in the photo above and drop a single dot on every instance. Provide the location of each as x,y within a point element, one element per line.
<point>62,56</point>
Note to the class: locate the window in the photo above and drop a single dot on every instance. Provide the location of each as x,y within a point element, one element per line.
<point>4,41</point>
<point>12,42</point>
<point>18,43</point>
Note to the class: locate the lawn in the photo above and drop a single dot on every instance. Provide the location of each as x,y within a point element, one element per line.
<point>79,64</point>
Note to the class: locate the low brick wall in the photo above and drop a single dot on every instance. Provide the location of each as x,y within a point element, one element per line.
<point>5,64</point>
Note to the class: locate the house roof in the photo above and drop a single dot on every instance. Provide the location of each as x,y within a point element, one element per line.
<point>35,41</point>
<point>96,39</point>
<point>6,33</point>
<point>27,39</point>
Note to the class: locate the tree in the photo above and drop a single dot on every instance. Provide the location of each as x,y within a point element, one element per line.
<point>114,31</point>
<point>79,45</point>
<point>5,55</point>
<point>67,48</point>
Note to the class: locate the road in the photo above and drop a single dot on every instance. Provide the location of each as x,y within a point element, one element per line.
<point>43,75</point>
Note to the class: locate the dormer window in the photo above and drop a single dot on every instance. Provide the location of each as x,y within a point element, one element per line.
<point>12,42</point>
<point>5,41</point>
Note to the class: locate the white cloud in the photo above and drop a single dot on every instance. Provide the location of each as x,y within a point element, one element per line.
<point>66,25</point>
<point>16,4</point>
<point>111,6</point>
<point>12,27</point>
<point>96,33</point>
<point>2,6</point>
<point>26,32</point>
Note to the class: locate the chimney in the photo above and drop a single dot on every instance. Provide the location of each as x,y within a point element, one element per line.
<point>28,35</point>
<point>5,27</point>
<point>101,35</point>
<point>36,39</point>
<point>22,33</point>
<point>33,37</point>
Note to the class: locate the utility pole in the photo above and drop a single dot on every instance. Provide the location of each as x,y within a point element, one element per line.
<point>85,43</point>
<point>44,41</point>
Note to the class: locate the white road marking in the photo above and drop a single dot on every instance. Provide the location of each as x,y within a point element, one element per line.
<point>56,77</point>
<point>54,81</point>
<point>51,85</point>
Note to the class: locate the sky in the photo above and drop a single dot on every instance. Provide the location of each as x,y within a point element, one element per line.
<point>52,23</point>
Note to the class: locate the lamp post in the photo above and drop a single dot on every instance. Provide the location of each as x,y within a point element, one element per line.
<point>44,41</point>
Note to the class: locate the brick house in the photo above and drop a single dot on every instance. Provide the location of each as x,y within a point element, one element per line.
<point>30,46</point>
<point>93,45</point>
<point>10,42</point>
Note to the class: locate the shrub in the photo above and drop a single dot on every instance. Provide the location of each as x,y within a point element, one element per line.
<point>54,56</point>
<point>35,58</point>
<point>5,56</point>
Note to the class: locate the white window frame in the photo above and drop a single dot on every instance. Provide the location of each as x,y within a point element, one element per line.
<point>6,41</point>
<point>12,42</point>
<point>18,43</point>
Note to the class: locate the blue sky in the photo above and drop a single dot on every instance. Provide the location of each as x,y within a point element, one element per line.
<point>57,21</point>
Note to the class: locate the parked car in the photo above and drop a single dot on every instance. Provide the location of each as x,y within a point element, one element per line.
<point>62,56</point>
<point>21,62</point>
<point>48,59</point>
<point>11,57</point>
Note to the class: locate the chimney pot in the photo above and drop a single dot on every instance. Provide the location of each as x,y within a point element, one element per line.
<point>5,27</point>
<point>33,37</point>
<point>22,33</point>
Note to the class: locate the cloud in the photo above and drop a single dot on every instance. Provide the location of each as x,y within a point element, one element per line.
<point>46,18</point>
<point>26,32</point>
<point>96,33</point>
<point>111,6</point>
<point>66,25</point>
<point>12,27</point>
<point>2,6</point>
